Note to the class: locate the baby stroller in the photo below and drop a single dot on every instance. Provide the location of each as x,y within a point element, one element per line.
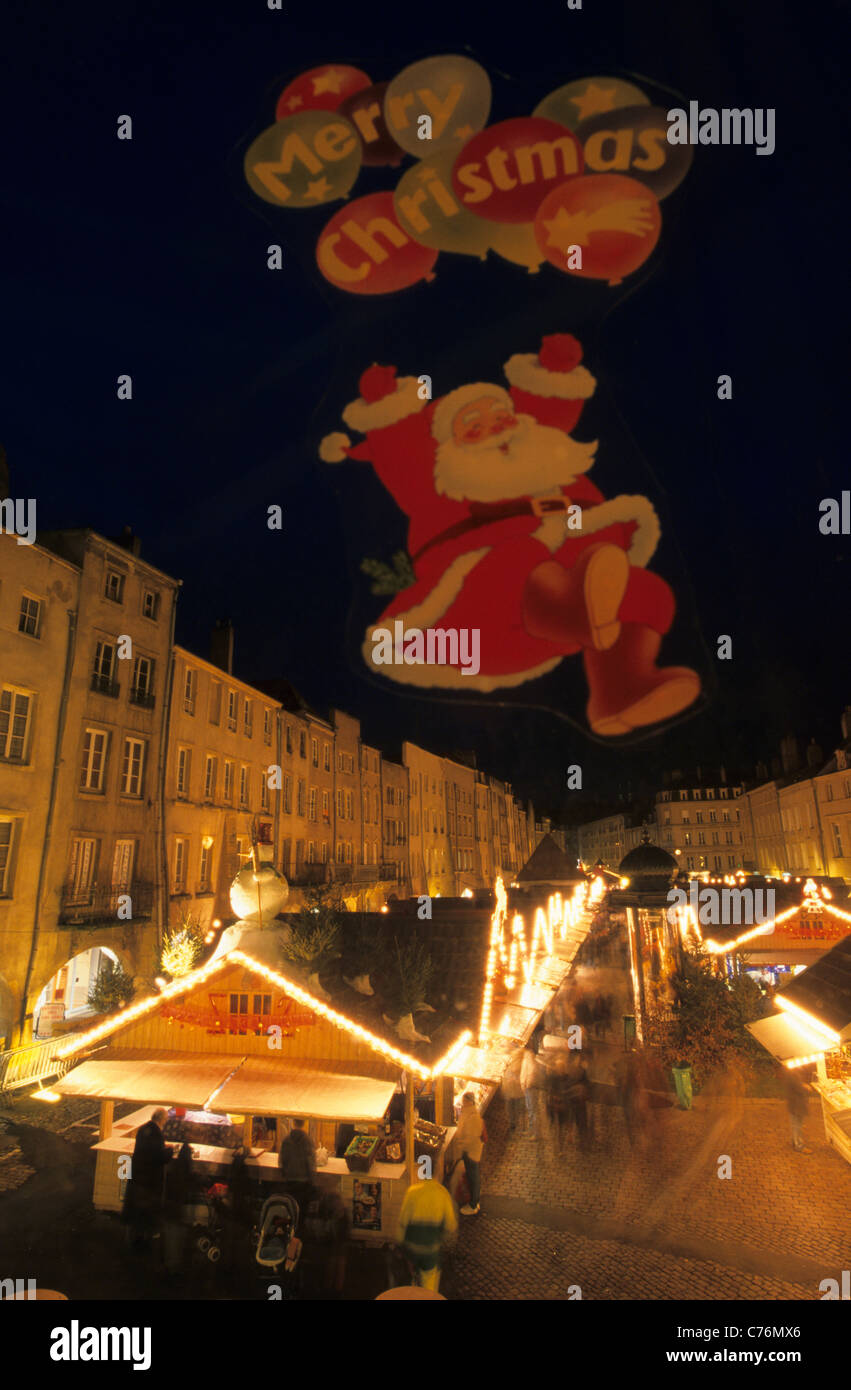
<point>212,1212</point>
<point>276,1242</point>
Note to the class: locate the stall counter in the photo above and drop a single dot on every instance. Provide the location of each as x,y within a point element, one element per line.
<point>836,1111</point>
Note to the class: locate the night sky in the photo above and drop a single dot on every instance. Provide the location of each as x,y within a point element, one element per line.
<point>149,257</point>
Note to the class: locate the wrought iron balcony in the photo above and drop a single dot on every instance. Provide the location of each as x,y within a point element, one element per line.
<point>104,685</point>
<point>145,698</point>
<point>98,905</point>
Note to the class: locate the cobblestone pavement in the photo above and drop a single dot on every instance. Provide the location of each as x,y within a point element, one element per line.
<point>656,1221</point>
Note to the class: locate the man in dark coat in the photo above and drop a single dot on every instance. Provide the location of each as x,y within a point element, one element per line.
<point>297,1162</point>
<point>143,1202</point>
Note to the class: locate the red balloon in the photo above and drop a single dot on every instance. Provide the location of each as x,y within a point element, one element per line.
<point>614,221</point>
<point>505,172</point>
<point>320,89</point>
<point>377,143</point>
<point>364,250</point>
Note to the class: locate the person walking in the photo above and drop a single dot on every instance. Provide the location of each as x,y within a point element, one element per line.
<point>469,1141</point>
<point>577,1089</point>
<point>144,1199</point>
<point>297,1162</point>
<point>512,1090</point>
<point>530,1080</point>
<point>797,1103</point>
<point>557,1100</point>
<point>427,1222</point>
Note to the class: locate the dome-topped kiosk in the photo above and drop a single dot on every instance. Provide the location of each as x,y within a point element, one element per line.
<point>648,874</point>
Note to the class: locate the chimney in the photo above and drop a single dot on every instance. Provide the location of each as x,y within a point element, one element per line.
<point>221,645</point>
<point>130,542</point>
<point>845,723</point>
<point>814,754</point>
<point>790,756</point>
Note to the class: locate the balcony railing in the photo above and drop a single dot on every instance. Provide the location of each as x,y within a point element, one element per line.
<point>105,685</point>
<point>145,698</point>
<point>95,905</point>
<point>306,875</point>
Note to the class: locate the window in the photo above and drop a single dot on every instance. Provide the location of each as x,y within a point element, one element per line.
<point>15,710</point>
<point>699,817</point>
<point>142,688</point>
<point>689,861</point>
<point>215,702</point>
<point>710,794</point>
<point>232,699</point>
<point>210,769</point>
<point>701,838</point>
<point>300,797</point>
<point>267,726</point>
<point>314,751</point>
<point>837,841</point>
<point>81,874</point>
<point>730,861</point>
<point>716,861</point>
<point>830,791</point>
<point>288,795</point>
<point>348,851</point>
<point>341,852</point>
<point>286,855</point>
<point>114,587</point>
<point>341,811</point>
<point>713,816</point>
<point>311,852</point>
<point>150,603</point>
<point>205,867</point>
<point>683,796</point>
<point>302,743</point>
<point>350,805</point>
<point>7,828</point>
<point>326,757</point>
<point>190,685</point>
<point>687,838</point>
<point>264,790</point>
<point>311,804</point>
<point>228,787</point>
<point>724,793</point>
<point>184,770</point>
<point>324,852</point>
<point>326,805</point>
<point>248,719</point>
<point>289,738</point>
<point>181,855</point>
<point>123,860</point>
<point>728,837</point>
<point>715,837</point>
<point>132,766</point>
<point>244,798</point>
<point>29,618</point>
<point>94,760</point>
<point>103,668</point>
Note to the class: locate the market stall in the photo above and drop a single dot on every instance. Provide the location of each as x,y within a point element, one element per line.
<point>812,1027</point>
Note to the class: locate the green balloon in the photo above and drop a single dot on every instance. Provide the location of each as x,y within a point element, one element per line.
<point>588,96</point>
<point>428,209</point>
<point>311,158</point>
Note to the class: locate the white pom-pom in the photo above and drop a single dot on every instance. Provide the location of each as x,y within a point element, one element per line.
<point>333,447</point>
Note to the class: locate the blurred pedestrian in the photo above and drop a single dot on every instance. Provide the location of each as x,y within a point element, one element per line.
<point>469,1142</point>
<point>797,1103</point>
<point>557,1099</point>
<point>297,1162</point>
<point>512,1090</point>
<point>577,1090</point>
<point>530,1080</point>
<point>426,1222</point>
<point>144,1197</point>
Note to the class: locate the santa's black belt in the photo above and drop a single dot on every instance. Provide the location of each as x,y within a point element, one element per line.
<point>483,513</point>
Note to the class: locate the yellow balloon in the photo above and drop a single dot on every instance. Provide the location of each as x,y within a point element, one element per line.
<point>516,242</point>
<point>311,158</point>
<point>451,91</point>
<point>429,211</point>
<point>588,96</point>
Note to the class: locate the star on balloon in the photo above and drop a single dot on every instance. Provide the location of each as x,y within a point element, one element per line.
<point>425,173</point>
<point>561,230</point>
<point>318,189</point>
<point>464,132</point>
<point>294,102</point>
<point>594,100</point>
<point>330,81</point>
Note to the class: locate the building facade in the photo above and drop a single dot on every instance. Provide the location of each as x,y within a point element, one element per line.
<point>706,828</point>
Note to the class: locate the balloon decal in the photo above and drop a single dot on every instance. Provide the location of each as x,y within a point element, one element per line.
<point>574,187</point>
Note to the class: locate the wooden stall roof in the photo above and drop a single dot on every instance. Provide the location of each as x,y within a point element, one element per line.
<point>478,1064</point>
<point>550,973</point>
<point>532,996</point>
<point>167,1077</point>
<point>513,1021</point>
<point>321,1091</point>
<point>824,990</point>
<point>785,1038</point>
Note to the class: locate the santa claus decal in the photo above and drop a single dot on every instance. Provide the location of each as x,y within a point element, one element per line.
<point>517,557</point>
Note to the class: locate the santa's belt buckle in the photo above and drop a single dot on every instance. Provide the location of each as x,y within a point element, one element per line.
<point>542,506</point>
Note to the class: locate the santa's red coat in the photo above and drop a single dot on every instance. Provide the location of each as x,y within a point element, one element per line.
<point>477,579</point>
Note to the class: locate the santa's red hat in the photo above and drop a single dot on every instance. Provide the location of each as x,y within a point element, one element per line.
<point>554,371</point>
<point>383,401</point>
<point>449,405</point>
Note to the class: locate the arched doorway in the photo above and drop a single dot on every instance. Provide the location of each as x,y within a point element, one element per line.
<point>65,997</point>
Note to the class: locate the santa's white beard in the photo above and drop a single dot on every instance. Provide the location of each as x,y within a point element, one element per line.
<point>538,459</point>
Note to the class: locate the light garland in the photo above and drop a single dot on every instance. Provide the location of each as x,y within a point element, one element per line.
<point>809,1019</point>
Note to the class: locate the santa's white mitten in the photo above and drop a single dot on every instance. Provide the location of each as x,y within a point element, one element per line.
<point>333,447</point>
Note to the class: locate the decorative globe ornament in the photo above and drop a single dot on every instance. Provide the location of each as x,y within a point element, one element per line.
<point>258,895</point>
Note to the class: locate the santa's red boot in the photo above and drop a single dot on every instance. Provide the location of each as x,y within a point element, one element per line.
<point>627,689</point>
<point>578,607</point>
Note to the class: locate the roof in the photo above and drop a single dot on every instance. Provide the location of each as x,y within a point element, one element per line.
<point>824,989</point>
<point>314,1089</point>
<point>549,864</point>
<point>786,1038</point>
